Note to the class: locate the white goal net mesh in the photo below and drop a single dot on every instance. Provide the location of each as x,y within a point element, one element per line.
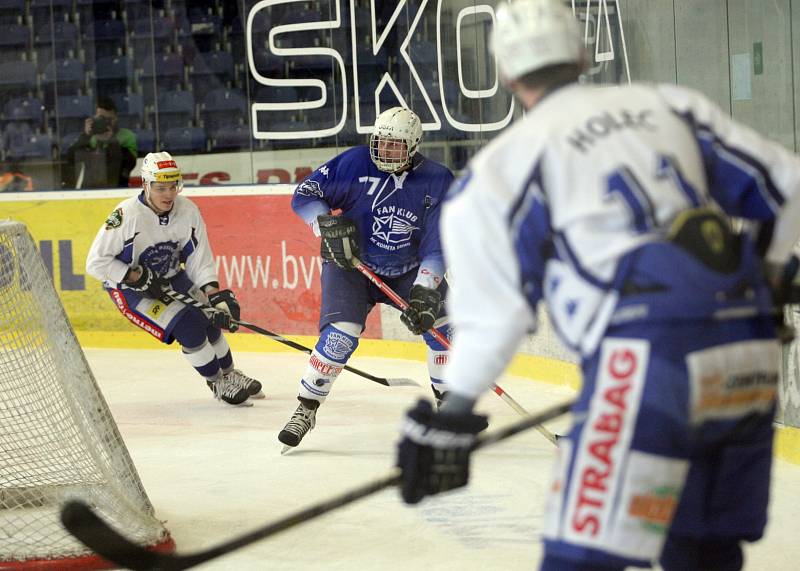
<point>58,440</point>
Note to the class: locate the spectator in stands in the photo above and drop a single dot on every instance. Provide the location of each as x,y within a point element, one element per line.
<point>104,154</point>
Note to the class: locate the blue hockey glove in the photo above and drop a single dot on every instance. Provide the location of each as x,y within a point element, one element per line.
<point>149,283</point>
<point>423,309</point>
<point>228,307</point>
<point>435,450</point>
<point>339,240</point>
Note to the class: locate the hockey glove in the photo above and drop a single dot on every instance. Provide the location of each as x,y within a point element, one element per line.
<point>149,283</point>
<point>423,309</point>
<point>228,307</point>
<point>434,452</point>
<point>339,240</point>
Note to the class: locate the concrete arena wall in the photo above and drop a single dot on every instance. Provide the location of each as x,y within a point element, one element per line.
<point>268,256</point>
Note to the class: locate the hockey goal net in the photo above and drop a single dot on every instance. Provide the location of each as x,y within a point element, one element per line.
<point>58,440</point>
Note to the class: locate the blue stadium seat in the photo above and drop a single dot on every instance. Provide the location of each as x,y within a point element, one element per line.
<point>130,110</point>
<point>15,42</point>
<point>236,39</point>
<point>113,75</point>
<point>289,127</point>
<point>152,36</point>
<point>145,141</point>
<point>423,52</point>
<point>200,33</point>
<point>276,94</point>
<point>104,38</point>
<point>182,141</point>
<point>56,41</point>
<point>89,10</point>
<point>72,111</point>
<point>210,71</point>
<point>27,109</point>
<point>232,138</point>
<point>41,10</point>
<point>133,10</point>
<point>63,77</point>
<point>11,10</point>
<point>163,73</point>
<point>17,79</point>
<point>175,110</point>
<point>36,147</point>
<point>223,107</point>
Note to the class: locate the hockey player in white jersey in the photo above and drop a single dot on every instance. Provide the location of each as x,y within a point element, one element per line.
<point>158,238</point>
<point>612,205</point>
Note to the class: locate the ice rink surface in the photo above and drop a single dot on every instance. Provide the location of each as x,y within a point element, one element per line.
<point>213,471</point>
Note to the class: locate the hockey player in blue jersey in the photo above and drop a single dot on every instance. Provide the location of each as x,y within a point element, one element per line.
<point>612,205</point>
<point>389,197</point>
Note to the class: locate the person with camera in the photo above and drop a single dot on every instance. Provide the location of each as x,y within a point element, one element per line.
<point>104,154</point>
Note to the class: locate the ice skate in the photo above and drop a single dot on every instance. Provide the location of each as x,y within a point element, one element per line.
<point>229,389</point>
<point>302,421</point>
<point>252,386</point>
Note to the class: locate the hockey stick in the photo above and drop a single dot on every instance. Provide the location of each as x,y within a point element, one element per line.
<point>403,305</point>
<point>82,521</point>
<point>208,310</point>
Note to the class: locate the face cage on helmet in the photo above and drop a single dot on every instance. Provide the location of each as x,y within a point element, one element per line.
<point>385,164</point>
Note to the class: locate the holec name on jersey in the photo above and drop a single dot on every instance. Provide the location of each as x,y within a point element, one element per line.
<point>600,126</point>
<point>407,214</point>
<point>602,439</point>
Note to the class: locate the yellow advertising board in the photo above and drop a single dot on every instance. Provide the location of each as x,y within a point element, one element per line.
<point>63,231</point>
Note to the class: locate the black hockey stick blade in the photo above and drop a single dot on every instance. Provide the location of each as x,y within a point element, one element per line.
<point>82,522</point>
<point>387,382</point>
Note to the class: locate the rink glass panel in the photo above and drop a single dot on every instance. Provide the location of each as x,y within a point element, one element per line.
<point>263,92</point>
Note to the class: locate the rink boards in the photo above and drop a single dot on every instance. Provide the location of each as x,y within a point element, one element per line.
<point>271,260</point>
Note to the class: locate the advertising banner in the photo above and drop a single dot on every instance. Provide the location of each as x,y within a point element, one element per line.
<point>264,253</point>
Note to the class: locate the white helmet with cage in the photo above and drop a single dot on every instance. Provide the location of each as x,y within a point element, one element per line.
<point>393,126</point>
<point>160,167</point>
<point>534,34</point>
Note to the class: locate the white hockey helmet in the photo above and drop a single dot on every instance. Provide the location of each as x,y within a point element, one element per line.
<point>533,34</point>
<point>161,167</point>
<point>398,124</point>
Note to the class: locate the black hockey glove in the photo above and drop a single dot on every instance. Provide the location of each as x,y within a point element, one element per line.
<point>228,307</point>
<point>339,240</point>
<point>423,309</point>
<point>149,284</point>
<point>434,452</point>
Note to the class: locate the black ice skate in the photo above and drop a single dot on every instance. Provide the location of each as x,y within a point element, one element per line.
<point>252,386</point>
<point>229,389</point>
<point>301,422</point>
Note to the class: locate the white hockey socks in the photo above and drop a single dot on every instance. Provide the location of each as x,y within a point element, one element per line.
<point>223,352</point>
<point>204,360</point>
<point>437,358</point>
<point>337,342</point>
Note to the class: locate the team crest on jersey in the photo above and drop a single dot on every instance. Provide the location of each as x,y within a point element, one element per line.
<point>114,219</point>
<point>161,257</point>
<point>338,346</point>
<point>310,188</point>
<point>392,227</point>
